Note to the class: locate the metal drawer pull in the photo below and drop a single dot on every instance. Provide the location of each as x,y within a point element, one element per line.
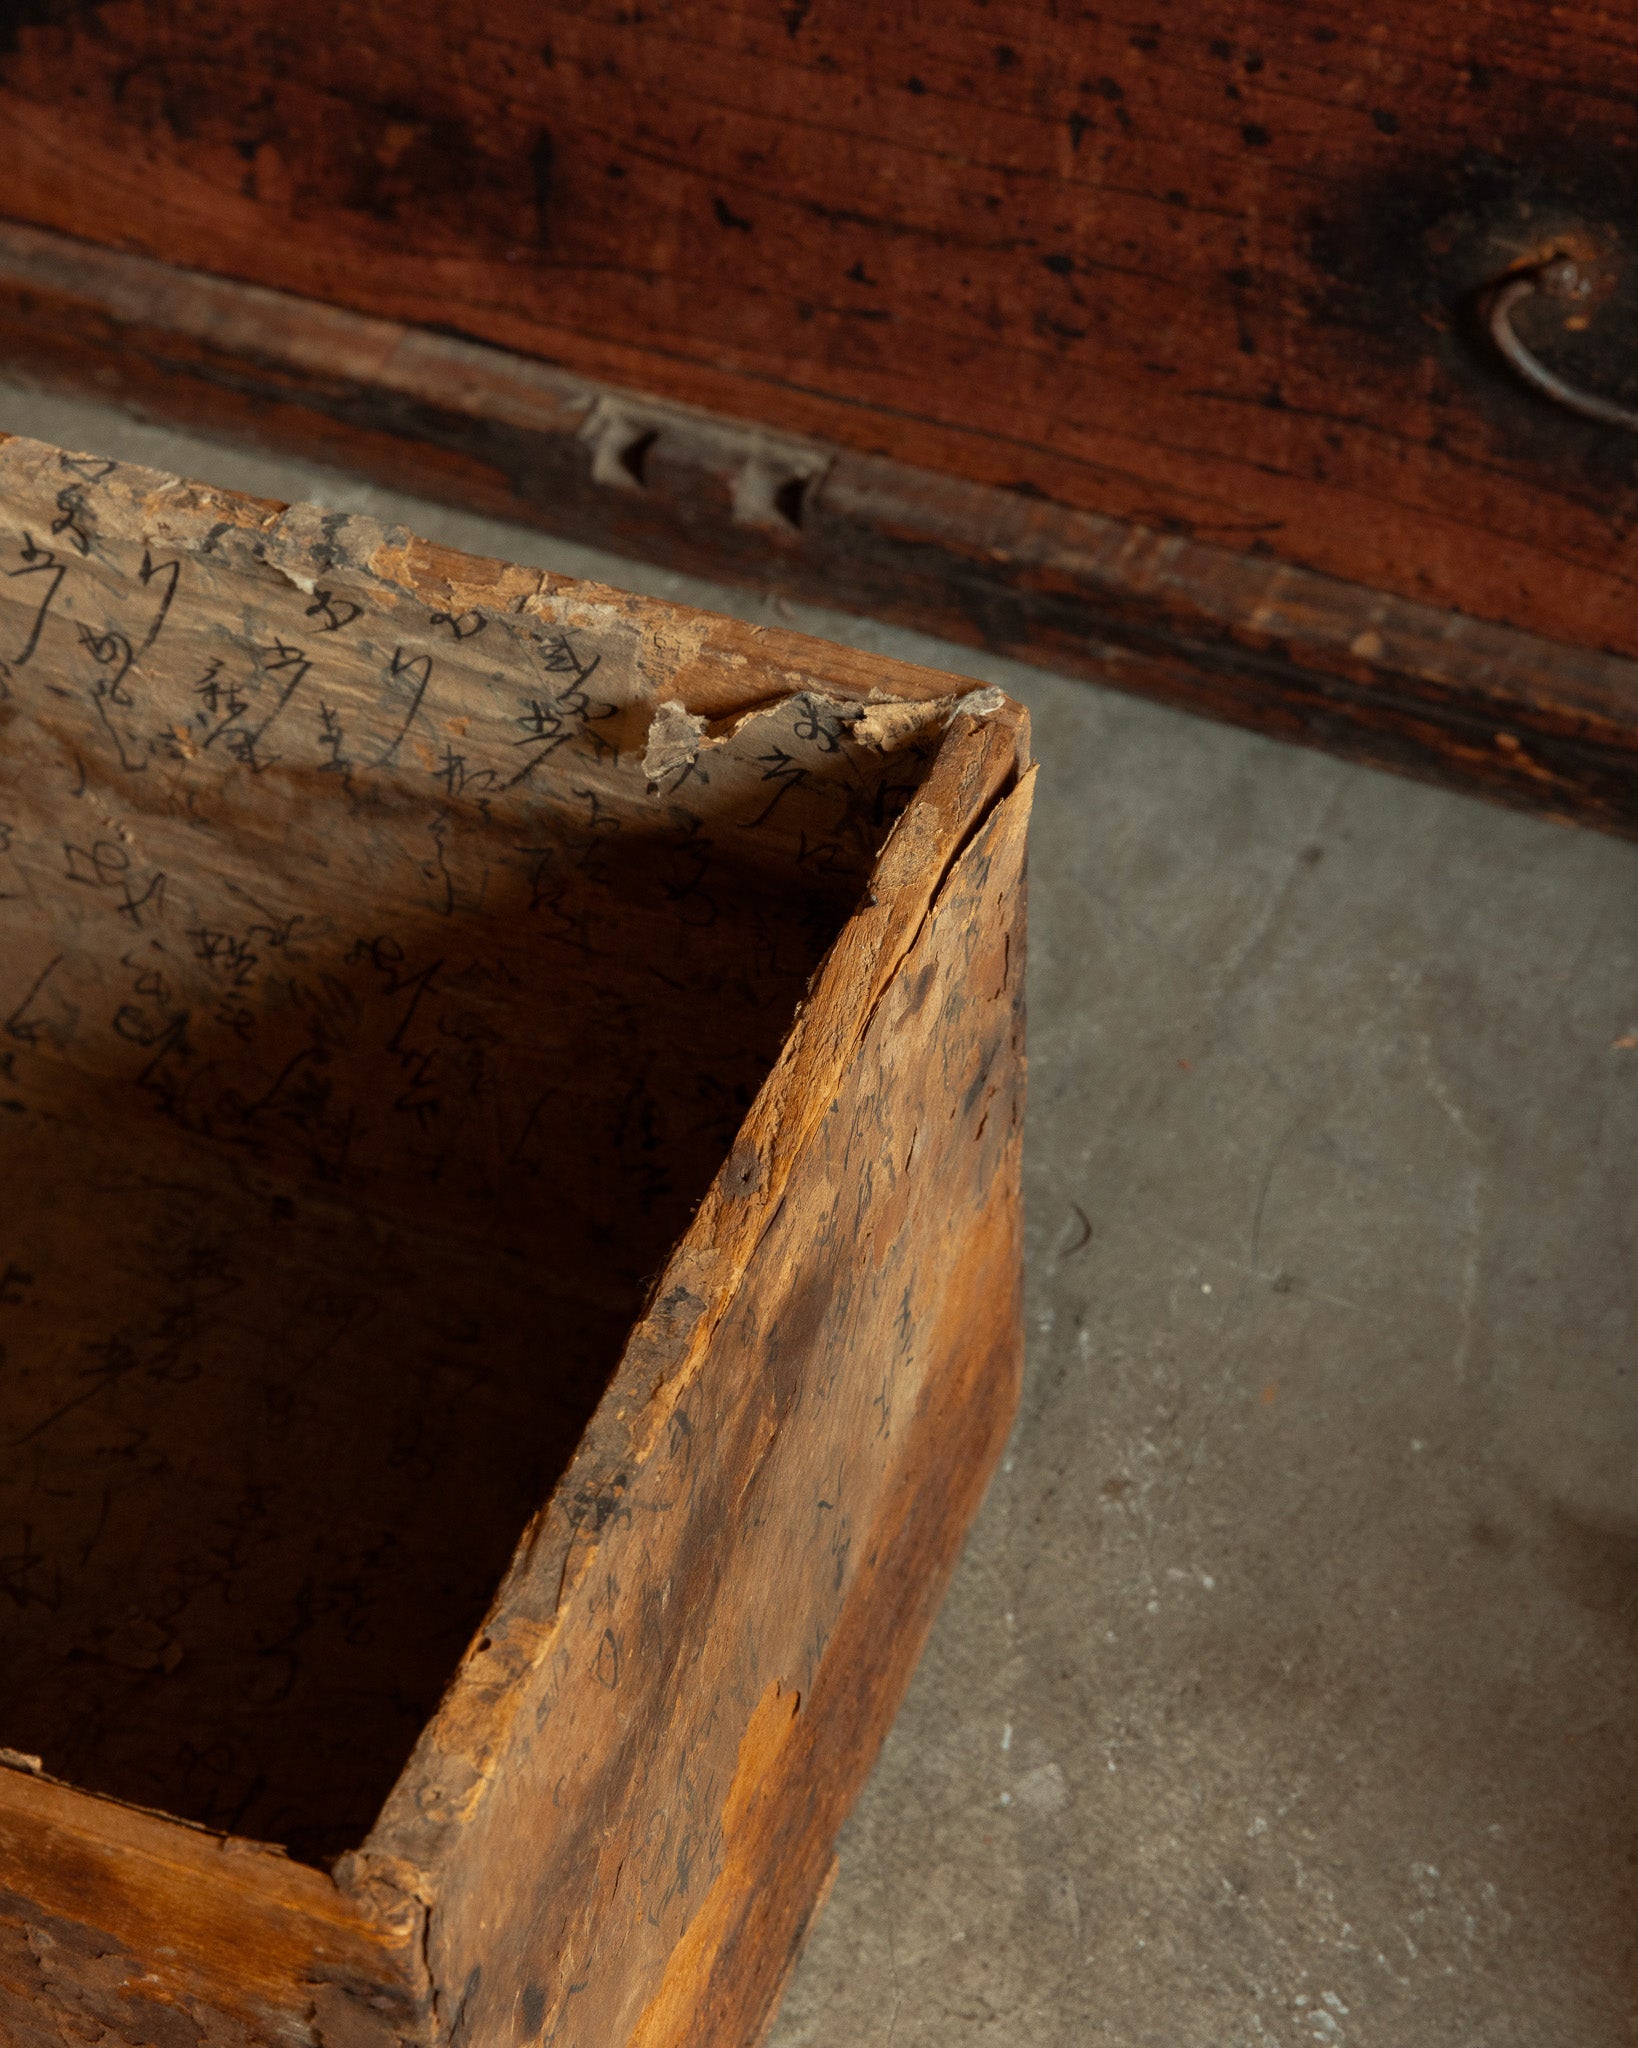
<point>1561,279</point>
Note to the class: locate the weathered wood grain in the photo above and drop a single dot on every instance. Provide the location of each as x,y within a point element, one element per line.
<point>121,1926</point>
<point>1240,636</point>
<point>830,1355</point>
<point>398,954</point>
<point>1205,270</point>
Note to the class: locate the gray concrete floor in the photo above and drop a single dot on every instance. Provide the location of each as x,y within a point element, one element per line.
<point>1286,1691</point>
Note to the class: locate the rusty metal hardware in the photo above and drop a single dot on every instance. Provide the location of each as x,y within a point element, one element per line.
<point>1563,278</point>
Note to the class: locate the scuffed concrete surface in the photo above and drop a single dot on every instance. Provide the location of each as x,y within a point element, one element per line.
<point>1286,1693</point>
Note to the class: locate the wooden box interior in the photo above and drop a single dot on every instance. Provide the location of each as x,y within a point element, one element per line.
<point>377,1001</point>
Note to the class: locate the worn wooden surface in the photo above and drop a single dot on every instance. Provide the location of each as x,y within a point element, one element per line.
<point>394,944</point>
<point>121,1927</point>
<point>1235,635</point>
<point>1204,269</point>
<point>623,1773</point>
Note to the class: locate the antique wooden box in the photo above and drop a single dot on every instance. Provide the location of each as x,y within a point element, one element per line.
<point>509,1122</point>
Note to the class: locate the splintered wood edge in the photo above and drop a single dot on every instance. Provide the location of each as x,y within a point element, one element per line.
<point>196,1910</point>
<point>710,664</point>
<point>982,765</point>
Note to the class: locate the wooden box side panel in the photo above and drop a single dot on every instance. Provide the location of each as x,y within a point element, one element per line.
<point>674,1737</point>
<point>804,1760</point>
<point>131,1930</point>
